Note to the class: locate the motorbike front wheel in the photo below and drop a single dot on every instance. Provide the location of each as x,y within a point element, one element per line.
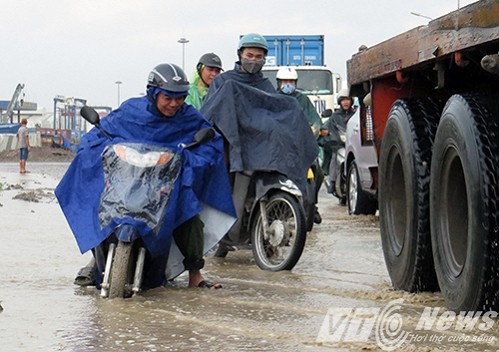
<point>121,271</point>
<point>281,247</point>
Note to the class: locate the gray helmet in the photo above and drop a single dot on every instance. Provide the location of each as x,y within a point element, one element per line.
<point>169,77</point>
<point>210,60</point>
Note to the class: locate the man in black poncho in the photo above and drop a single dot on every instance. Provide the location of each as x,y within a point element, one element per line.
<point>263,130</point>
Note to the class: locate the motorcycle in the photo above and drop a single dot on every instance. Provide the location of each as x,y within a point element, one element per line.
<point>269,146</point>
<point>139,183</point>
<point>338,187</point>
<point>271,220</point>
<point>341,180</point>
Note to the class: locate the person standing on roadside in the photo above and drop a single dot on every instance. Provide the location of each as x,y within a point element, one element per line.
<point>208,67</point>
<point>24,146</point>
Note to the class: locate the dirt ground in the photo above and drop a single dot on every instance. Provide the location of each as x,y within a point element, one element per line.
<point>39,154</point>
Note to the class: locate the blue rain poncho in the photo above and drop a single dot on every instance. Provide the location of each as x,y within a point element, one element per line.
<point>202,181</point>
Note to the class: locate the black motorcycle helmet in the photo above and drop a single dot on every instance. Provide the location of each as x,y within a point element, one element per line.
<point>209,60</point>
<point>169,77</point>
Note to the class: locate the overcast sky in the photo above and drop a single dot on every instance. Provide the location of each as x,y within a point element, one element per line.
<point>81,48</point>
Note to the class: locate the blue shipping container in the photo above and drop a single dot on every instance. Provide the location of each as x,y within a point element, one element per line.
<point>295,50</point>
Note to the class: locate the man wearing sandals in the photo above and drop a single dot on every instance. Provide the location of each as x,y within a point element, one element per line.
<point>162,116</point>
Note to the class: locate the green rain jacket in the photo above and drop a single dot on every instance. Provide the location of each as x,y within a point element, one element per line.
<point>197,91</point>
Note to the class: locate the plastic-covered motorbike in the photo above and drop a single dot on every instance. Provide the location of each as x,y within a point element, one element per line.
<point>139,182</point>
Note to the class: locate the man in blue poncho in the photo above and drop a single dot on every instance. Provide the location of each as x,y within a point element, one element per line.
<point>160,118</point>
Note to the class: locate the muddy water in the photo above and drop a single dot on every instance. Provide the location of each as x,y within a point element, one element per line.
<point>341,268</point>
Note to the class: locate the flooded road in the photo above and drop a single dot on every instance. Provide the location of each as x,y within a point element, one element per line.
<point>332,301</point>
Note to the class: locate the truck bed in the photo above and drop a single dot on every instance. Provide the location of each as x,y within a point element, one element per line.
<point>471,26</point>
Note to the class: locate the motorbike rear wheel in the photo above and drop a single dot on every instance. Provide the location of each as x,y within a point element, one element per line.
<point>122,271</point>
<point>281,248</point>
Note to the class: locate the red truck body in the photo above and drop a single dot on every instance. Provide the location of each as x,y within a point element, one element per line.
<point>432,96</point>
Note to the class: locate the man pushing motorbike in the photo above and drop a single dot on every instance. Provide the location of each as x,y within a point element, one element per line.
<point>159,118</point>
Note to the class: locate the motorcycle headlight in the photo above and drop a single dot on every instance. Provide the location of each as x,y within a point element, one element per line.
<point>136,158</point>
<point>343,138</point>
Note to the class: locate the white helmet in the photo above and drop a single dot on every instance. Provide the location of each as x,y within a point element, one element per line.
<point>288,73</point>
<point>344,94</point>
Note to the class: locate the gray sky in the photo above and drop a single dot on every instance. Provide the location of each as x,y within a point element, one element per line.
<point>81,48</point>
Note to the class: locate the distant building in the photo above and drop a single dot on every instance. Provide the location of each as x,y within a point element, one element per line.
<point>20,109</point>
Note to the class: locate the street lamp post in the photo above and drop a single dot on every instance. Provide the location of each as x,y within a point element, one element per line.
<point>183,41</point>
<point>118,83</point>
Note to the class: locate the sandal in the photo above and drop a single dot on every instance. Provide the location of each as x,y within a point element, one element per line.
<point>209,284</point>
<point>85,277</point>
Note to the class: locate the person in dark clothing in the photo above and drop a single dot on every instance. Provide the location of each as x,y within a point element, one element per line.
<point>333,139</point>
<point>287,81</point>
<point>251,51</point>
<point>245,108</point>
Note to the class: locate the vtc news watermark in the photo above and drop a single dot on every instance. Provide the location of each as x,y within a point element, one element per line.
<point>386,326</point>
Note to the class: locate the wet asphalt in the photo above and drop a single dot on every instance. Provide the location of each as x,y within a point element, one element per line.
<point>337,298</point>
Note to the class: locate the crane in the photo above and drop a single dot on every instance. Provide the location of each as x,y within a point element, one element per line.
<point>12,103</point>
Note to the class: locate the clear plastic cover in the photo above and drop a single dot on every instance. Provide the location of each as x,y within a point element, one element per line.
<point>139,180</point>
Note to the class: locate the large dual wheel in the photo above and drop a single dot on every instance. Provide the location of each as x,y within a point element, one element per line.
<point>438,199</point>
<point>404,194</point>
<point>464,197</point>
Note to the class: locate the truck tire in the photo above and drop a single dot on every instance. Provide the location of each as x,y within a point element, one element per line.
<point>404,194</point>
<point>358,200</point>
<point>464,209</point>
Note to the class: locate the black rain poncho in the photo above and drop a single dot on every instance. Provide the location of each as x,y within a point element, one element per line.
<point>265,131</point>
